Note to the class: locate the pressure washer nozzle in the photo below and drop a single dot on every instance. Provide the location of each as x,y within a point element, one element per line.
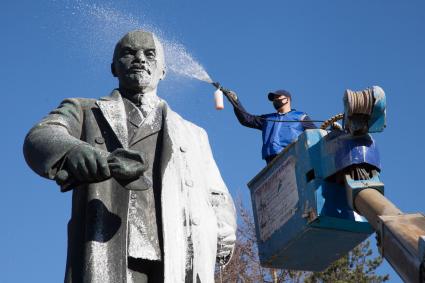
<point>216,84</point>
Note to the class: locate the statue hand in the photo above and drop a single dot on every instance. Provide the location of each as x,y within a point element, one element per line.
<point>223,258</point>
<point>127,164</point>
<point>87,164</point>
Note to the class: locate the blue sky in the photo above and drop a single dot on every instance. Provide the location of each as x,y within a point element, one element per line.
<point>316,49</point>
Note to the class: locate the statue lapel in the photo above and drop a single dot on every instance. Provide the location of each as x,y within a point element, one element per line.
<point>150,125</point>
<point>112,108</point>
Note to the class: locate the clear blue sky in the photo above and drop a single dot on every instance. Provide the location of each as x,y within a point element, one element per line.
<point>316,49</point>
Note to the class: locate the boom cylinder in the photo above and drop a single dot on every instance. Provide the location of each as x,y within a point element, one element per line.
<point>401,237</point>
<point>371,204</point>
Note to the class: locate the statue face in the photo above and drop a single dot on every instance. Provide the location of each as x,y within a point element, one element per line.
<point>139,61</point>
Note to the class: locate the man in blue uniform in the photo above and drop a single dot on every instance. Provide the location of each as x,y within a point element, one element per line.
<point>280,128</point>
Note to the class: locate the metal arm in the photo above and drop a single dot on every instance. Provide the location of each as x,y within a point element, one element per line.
<point>401,237</point>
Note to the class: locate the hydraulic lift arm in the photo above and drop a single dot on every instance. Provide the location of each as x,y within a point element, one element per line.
<point>401,237</point>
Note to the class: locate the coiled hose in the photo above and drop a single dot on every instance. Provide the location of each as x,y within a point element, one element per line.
<point>359,102</point>
<point>331,122</point>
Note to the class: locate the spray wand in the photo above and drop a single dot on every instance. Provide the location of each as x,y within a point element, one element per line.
<point>219,105</point>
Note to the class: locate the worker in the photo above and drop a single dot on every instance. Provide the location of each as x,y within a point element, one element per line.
<point>277,134</point>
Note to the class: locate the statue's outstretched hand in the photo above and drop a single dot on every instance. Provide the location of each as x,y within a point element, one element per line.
<point>86,164</point>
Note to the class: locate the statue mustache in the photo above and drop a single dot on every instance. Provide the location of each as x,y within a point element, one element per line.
<point>140,67</point>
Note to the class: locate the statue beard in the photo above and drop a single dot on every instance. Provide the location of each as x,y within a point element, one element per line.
<point>139,80</point>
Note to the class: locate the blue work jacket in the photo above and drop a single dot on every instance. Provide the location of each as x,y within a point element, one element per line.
<point>276,135</point>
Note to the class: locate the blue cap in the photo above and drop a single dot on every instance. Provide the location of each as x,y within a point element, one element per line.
<point>278,92</point>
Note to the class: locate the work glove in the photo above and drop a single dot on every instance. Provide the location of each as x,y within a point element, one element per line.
<point>86,163</point>
<point>231,95</point>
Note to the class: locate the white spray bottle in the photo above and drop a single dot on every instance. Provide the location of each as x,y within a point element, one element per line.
<point>218,97</point>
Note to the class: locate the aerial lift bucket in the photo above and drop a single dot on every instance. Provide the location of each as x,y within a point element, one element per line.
<point>303,211</point>
<point>306,201</point>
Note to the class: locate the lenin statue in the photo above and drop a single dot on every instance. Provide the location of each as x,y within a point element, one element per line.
<point>148,201</point>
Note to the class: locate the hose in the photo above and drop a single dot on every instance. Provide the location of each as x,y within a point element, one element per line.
<point>331,121</point>
<point>359,102</point>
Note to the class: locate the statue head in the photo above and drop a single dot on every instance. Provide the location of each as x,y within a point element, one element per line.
<point>138,61</point>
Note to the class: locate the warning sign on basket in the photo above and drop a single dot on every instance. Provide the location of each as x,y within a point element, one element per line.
<point>276,199</point>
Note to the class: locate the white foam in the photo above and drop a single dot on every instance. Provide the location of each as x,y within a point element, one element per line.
<point>105,25</point>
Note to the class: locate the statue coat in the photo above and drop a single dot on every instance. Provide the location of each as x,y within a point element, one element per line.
<point>198,214</point>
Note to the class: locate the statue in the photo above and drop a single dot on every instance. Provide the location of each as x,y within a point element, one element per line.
<point>149,203</point>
